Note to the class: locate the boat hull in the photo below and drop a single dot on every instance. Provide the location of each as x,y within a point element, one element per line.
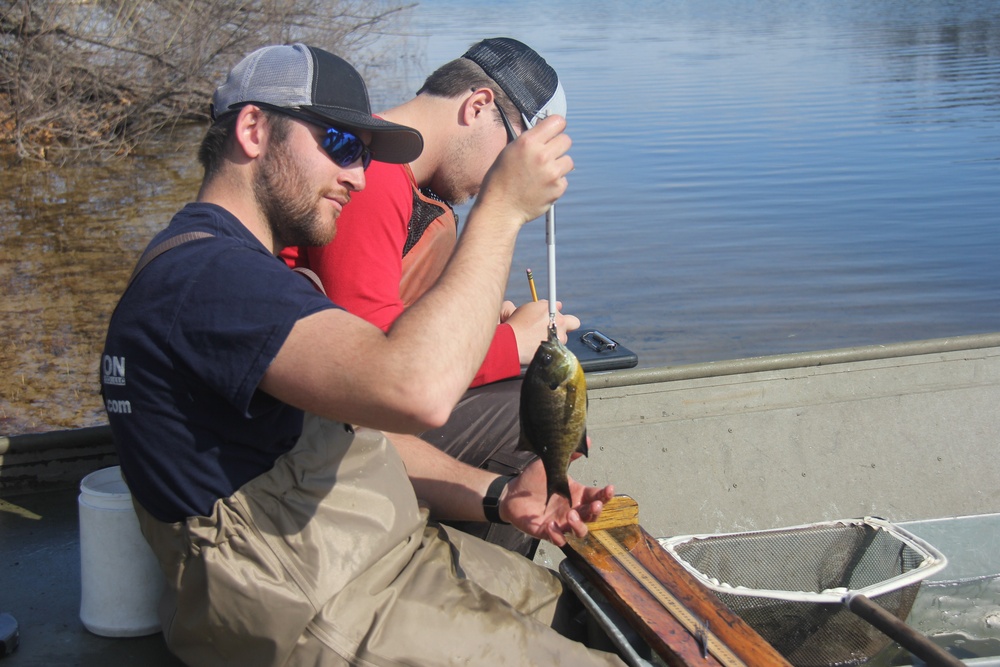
<point>903,432</point>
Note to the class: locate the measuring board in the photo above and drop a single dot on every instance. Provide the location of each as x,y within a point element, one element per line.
<point>680,619</point>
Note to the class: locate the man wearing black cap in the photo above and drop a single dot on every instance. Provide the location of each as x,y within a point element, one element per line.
<point>237,394</point>
<point>396,237</point>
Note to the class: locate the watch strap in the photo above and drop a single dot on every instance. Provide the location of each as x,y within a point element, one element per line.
<point>491,501</point>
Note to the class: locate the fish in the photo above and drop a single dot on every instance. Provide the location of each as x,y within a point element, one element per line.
<point>554,411</point>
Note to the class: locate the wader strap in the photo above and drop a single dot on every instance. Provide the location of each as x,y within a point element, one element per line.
<point>161,248</point>
<point>181,239</point>
<point>311,275</point>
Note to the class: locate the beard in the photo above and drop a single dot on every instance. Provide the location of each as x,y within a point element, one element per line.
<point>449,191</point>
<point>281,190</point>
<point>452,184</point>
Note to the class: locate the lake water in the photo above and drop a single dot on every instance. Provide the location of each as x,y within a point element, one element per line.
<point>751,178</point>
<point>764,177</point>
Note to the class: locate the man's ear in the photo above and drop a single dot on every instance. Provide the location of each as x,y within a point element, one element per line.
<point>251,131</point>
<point>476,104</point>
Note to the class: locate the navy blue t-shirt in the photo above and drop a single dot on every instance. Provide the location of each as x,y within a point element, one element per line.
<point>186,349</point>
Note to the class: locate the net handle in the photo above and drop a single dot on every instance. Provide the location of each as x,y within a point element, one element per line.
<point>913,641</point>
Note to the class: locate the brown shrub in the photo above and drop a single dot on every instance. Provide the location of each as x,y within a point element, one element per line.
<point>97,78</point>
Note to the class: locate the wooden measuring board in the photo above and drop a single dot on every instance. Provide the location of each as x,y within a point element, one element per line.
<point>681,620</point>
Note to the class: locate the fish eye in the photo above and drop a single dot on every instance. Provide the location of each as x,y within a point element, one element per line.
<point>546,359</point>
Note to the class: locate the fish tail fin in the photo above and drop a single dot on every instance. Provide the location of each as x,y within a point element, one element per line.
<point>560,486</point>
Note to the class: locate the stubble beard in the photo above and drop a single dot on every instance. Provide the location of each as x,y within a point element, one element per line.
<point>281,190</point>
<point>453,184</point>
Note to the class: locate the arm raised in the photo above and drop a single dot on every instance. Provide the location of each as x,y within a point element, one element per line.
<point>410,378</point>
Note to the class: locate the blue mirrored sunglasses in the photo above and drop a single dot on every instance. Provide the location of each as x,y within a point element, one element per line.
<point>344,148</point>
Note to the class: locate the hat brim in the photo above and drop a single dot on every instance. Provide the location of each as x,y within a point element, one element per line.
<point>391,142</point>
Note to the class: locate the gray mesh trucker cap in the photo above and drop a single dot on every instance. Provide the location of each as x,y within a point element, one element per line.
<point>304,77</point>
<point>530,83</point>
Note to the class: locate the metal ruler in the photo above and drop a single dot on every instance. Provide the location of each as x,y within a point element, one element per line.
<point>697,628</point>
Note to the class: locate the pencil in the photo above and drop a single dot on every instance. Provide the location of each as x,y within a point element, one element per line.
<point>531,284</point>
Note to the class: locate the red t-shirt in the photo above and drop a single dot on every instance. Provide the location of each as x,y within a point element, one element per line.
<point>364,269</point>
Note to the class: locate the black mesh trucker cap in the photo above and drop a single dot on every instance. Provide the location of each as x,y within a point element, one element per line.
<point>304,77</point>
<point>530,83</point>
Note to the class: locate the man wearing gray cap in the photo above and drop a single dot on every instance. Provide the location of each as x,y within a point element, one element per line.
<point>241,401</point>
<point>396,237</point>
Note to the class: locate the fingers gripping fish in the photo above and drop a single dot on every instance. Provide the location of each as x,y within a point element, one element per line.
<point>554,411</point>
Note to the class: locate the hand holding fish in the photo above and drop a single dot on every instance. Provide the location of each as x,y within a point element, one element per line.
<point>527,505</point>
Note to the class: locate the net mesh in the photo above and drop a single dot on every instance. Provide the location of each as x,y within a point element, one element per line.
<point>830,559</point>
<point>263,76</point>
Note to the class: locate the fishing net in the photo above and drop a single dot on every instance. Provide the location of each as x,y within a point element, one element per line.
<point>789,584</point>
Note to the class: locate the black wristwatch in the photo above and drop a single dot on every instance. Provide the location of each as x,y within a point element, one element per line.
<point>491,501</point>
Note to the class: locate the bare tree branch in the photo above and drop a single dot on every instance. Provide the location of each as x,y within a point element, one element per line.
<point>97,78</point>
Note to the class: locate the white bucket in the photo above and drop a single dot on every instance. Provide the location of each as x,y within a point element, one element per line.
<point>121,582</point>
